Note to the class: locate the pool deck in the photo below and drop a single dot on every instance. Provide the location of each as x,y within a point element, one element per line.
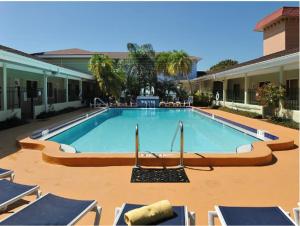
<point>274,184</point>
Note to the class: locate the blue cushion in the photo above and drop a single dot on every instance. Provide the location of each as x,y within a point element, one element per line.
<point>177,219</point>
<point>9,190</point>
<point>48,210</point>
<point>254,216</point>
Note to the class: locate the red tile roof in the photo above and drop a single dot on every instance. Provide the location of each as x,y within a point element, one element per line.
<point>258,60</point>
<point>75,51</point>
<point>32,56</point>
<point>278,14</point>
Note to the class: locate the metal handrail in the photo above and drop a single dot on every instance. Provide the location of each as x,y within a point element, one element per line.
<point>175,134</point>
<point>100,100</point>
<point>180,125</point>
<point>181,143</point>
<point>137,146</point>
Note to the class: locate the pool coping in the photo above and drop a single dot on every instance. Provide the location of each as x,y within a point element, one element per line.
<point>261,154</point>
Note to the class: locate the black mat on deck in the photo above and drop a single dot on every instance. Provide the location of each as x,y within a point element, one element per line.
<point>154,175</point>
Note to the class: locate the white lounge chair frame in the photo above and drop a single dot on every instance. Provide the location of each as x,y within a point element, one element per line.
<point>297,215</point>
<point>218,213</point>
<point>190,217</point>
<point>93,207</point>
<point>9,174</point>
<point>35,190</point>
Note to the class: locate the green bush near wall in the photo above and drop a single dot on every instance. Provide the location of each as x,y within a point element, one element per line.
<point>276,120</point>
<point>243,113</point>
<point>12,122</point>
<point>202,99</point>
<point>52,113</point>
<point>284,122</point>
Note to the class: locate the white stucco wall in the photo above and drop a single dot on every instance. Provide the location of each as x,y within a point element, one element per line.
<point>243,107</point>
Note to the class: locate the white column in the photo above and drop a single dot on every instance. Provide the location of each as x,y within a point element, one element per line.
<point>4,90</point>
<point>80,89</point>
<point>224,91</point>
<point>246,86</point>
<point>45,91</point>
<point>281,105</point>
<point>67,89</point>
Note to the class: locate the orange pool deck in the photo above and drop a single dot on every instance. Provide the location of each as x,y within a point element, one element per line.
<point>260,155</point>
<point>276,183</point>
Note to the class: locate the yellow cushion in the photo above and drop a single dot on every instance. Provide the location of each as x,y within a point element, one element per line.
<point>149,214</point>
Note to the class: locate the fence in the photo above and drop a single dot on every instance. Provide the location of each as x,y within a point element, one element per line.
<point>252,99</point>
<point>58,96</point>
<point>292,99</point>
<point>235,96</point>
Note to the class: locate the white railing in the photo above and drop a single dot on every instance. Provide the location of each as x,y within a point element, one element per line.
<point>98,102</point>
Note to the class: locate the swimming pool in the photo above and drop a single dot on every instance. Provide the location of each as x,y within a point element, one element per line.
<point>113,131</point>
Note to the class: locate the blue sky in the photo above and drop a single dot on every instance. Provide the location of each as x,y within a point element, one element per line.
<point>210,30</point>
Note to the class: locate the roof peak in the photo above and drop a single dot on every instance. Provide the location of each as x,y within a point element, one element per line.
<point>69,51</point>
<point>285,11</point>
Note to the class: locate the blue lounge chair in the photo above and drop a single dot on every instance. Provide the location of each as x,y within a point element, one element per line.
<point>250,216</point>
<point>181,215</point>
<point>5,173</point>
<point>11,192</point>
<point>53,210</point>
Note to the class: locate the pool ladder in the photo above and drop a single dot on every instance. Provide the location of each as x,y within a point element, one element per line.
<point>137,143</point>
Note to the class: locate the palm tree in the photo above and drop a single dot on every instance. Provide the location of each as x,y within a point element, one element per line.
<point>180,64</point>
<point>110,78</point>
<point>162,63</point>
<point>141,64</point>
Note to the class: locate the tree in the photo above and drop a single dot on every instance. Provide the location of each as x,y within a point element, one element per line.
<point>162,63</point>
<point>269,95</point>
<point>109,77</point>
<point>223,65</point>
<point>180,63</point>
<point>163,89</point>
<point>141,64</point>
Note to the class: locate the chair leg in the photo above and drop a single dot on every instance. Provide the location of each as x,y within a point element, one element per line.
<point>12,176</point>
<point>117,211</point>
<point>192,218</point>
<point>38,193</point>
<point>3,208</point>
<point>211,217</point>
<point>98,211</point>
<point>297,215</point>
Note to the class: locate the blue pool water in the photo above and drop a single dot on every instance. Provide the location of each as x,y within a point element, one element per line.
<point>114,131</point>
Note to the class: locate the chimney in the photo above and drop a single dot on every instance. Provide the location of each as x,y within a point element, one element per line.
<point>280,30</point>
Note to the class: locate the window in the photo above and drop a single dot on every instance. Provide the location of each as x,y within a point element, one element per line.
<point>236,90</point>
<point>50,89</point>
<point>31,89</point>
<point>77,89</point>
<point>292,89</point>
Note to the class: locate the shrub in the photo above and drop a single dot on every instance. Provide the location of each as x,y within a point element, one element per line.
<point>269,95</point>
<point>12,122</point>
<point>52,113</point>
<point>202,99</point>
<point>284,122</point>
<point>243,113</point>
<point>276,120</point>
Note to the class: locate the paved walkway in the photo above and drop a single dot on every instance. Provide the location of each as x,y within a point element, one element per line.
<point>275,184</point>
